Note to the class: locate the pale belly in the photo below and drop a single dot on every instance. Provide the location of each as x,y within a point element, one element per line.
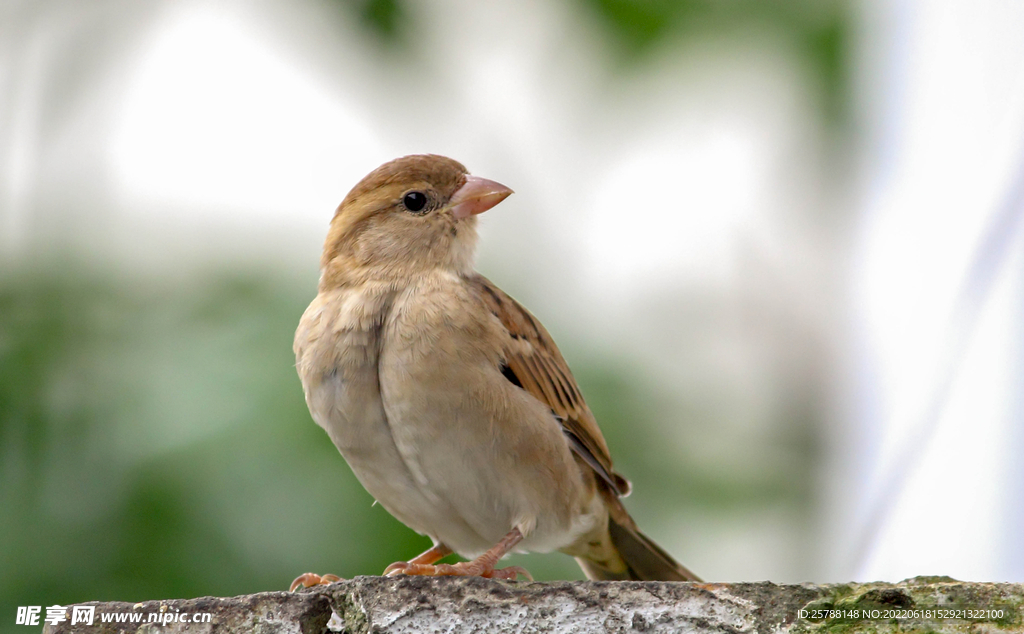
<point>360,430</point>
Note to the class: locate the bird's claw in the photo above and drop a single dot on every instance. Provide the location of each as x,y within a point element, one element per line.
<point>397,568</point>
<point>311,579</point>
<point>461,569</point>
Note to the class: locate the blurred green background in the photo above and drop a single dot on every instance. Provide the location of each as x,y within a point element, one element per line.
<point>779,243</point>
<point>154,442</point>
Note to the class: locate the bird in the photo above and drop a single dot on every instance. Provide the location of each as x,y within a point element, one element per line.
<point>449,400</point>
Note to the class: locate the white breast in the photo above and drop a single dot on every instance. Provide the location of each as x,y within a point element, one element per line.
<point>336,346</point>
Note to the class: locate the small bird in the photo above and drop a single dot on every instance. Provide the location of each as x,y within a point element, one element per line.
<point>449,400</point>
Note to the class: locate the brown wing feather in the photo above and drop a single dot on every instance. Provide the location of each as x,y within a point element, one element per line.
<point>532,357</point>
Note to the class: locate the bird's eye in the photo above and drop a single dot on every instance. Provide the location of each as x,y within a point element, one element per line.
<point>415,201</point>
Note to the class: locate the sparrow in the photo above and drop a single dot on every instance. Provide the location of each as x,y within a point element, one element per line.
<point>450,401</point>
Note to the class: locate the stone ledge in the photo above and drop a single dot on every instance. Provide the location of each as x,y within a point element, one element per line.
<point>420,604</point>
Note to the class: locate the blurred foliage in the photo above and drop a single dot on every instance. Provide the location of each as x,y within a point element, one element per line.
<point>155,443</point>
<point>388,20</point>
<point>818,30</point>
<point>383,16</point>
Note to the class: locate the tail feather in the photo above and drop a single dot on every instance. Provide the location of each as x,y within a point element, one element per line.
<point>644,560</point>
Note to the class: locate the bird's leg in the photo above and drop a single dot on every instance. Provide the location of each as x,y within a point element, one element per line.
<point>311,579</point>
<point>430,556</point>
<point>434,554</point>
<point>482,566</point>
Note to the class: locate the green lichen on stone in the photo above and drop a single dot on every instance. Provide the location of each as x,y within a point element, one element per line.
<point>352,616</point>
<point>916,605</point>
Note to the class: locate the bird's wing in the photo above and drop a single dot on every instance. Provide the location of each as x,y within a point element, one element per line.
<point>533,362</point>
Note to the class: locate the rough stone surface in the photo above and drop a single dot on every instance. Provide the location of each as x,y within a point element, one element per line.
<point>283,612</point>
<point>422,604</point>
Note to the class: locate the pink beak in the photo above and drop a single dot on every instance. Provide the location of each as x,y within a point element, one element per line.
<point>477,196</point>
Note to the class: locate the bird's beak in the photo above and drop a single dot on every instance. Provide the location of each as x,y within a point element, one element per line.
<point>477,196</point>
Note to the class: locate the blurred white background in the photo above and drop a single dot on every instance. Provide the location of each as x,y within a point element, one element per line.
<point>812,250</point>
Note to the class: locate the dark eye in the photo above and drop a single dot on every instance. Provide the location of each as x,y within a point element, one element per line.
<point>415,201</point>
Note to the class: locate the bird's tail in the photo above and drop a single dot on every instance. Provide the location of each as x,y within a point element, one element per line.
<point>643,559</point>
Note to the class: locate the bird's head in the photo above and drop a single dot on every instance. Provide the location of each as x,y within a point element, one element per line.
<point>413,214</point>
